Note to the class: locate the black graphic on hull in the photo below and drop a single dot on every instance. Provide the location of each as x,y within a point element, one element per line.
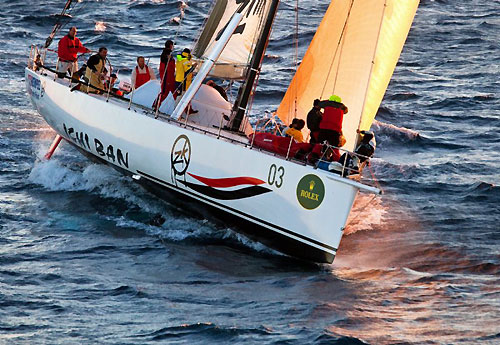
<point>180,156</point>
<point>242,193</point>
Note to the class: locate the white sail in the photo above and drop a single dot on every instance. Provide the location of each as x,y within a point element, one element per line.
<point>234,60</point>
<point>353,55</point>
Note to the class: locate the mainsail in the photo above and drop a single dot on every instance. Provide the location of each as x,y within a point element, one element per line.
<point>353,55</point>
<point>234,60</point>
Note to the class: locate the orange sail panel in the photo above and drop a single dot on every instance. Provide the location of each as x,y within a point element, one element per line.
<point>353,55</point>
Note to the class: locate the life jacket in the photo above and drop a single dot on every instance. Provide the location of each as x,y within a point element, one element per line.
<point>141,78</point>
<point>169,74</point>
<point>68,48</point>
<point>94,77</point>
<point>183,65</point>
<point>295,134</point>
<point>167,77</point>
<point>179,68</point>
<point>332,119</point>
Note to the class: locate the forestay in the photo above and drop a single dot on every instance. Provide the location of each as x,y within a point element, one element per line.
<point>353,55</point>
<point>234,60</point>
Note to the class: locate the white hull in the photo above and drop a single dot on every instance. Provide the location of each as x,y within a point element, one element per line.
<point>280,202</point>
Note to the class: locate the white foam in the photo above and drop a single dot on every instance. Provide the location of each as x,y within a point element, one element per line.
<point>174,229</point>
<point>410,133</point>
<point>100,26</point>
<point>55,175</point>
<point>257,246</point>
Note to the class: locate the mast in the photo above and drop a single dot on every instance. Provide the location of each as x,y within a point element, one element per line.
<point>58,25</point>
<point>241,103</point>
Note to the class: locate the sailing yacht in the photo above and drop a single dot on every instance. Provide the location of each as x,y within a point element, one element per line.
<point>212,158</point>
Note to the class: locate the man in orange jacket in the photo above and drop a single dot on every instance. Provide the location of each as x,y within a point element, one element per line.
<point>69,46</point>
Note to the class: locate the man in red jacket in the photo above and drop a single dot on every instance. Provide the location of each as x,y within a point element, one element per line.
<point>330,127</point>
<point>69,46</point>
<point>167,74</point>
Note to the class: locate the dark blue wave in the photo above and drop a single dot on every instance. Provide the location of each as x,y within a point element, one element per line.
<point>337,340</point>
<point>205,331</point>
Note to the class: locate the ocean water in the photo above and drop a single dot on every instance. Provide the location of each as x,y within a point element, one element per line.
<point>80,262</point>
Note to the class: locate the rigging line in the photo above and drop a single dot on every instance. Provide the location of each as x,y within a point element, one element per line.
<point>372,66</point>
<point>338,68</point>
<point>181,17</point>
<point>202,27</point>
<point>57,25</point>
<point>257,78</point>
<point>339,43</point>
<point>77,8</point>
<point>360,210</point>
<point>79,5</point>
<point>377,184</point>
<point>256,35</point>
<point>249,107</point>
<point>296,38</point>
<point>255,38</point>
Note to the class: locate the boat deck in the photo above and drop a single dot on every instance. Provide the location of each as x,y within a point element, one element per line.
<point>237,138</point>
<point>124,102</point>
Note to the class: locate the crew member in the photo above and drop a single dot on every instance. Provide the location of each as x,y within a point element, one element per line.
<point>167,73</point>
<point>96,71</point>
<point>142,73</point>
<point>330,127</point>
<point>68,48</point>
<point>219,89</point>
<point>292,125</point>
<point>313,120</point>
<point>111,83</point>
<point>295,130</point>
<point>183,71</point>
<point>367,146</point>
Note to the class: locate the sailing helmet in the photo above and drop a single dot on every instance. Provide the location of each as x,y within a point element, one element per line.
<point>335,98</point>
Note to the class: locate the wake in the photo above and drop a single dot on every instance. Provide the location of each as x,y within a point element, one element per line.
<point>391,130</point>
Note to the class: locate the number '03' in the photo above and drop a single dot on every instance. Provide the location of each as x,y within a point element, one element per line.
<point>275,176</point>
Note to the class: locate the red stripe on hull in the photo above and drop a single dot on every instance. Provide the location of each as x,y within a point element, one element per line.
<point>227,182</point>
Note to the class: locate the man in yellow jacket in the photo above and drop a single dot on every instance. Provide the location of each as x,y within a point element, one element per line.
<point>96,72</point>
<point>295,130</point>
<point>183,71</point>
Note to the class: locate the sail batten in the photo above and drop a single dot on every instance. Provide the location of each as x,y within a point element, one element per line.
<point>368,36</point>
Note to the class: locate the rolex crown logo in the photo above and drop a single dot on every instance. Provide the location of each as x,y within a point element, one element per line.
<point>311,185</point>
